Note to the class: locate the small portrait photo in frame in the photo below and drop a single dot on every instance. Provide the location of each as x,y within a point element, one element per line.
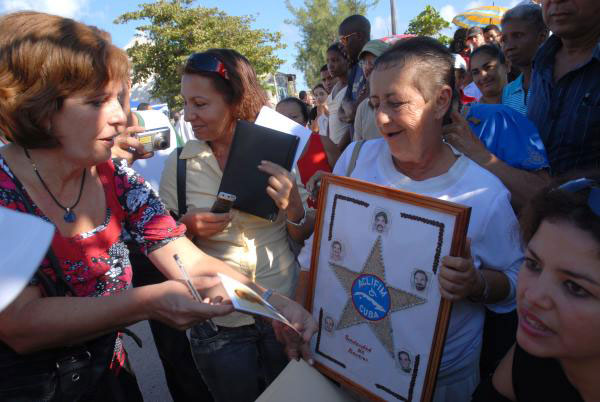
<point>420,280</point>
<point>381,221</point>
<point>336,252</point>
<point>328,324</point>
<point>404,361</point>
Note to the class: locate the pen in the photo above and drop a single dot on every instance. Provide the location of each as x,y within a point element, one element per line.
<point>191,287</point>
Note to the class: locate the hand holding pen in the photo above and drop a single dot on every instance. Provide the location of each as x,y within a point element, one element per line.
<point>188,281</point>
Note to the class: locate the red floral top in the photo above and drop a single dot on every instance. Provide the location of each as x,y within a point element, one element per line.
<point>96,263</point>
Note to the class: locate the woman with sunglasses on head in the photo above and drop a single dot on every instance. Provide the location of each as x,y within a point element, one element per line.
<point>61,90</point>
<point>219,87</point>
<point>557,353</point>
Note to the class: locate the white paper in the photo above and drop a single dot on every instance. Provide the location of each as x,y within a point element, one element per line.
<point>299,382</point>
<point>271,119</point>
<point>248,301</point>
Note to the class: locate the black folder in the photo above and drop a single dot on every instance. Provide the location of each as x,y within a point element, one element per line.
<point>251,145</point>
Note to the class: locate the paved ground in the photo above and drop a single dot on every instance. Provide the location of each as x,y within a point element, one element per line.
<point>146,365</point>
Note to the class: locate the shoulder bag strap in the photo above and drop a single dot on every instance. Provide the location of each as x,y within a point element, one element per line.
<point>354,157</point>
<point>181,181</point>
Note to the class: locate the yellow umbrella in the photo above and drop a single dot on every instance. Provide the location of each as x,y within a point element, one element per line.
<point>480,16</point>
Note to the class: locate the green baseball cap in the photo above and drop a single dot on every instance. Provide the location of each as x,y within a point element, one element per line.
<point>375,46</point>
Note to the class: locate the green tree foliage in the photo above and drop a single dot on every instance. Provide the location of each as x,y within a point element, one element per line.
<point>175,29</point>
<point>429,23</point>
<point>318,22</point>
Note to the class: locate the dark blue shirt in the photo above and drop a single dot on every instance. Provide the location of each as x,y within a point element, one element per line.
<point>566,113</point>
<point>356,83</point>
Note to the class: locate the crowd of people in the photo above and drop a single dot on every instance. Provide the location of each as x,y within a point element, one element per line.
<point>505,120</point>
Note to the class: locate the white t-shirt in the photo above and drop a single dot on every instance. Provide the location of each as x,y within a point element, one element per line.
<point>184,129</point>
<point>493,230</point>
<point>323,123</point>
<point>337,128</point>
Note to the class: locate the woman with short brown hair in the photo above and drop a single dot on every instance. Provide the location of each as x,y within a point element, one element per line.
<point>39,72</point>
<point>62,85</point>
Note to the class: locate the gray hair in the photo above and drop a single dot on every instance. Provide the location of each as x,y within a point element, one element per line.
<point>530,13</point>
<point>434,63</point>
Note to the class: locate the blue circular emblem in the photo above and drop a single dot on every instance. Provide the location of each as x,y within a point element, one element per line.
<point>371,297</point>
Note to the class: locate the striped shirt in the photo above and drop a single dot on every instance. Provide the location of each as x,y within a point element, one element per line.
<point>514,96</point>
<point>566,113</point>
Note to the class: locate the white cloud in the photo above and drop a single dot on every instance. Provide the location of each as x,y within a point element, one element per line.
<point>474,4</point>
<point>382,27</point>
<point>65,8</point>
<point>448,12</point>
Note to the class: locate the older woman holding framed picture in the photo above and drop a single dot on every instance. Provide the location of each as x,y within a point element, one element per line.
<point>411,89</point>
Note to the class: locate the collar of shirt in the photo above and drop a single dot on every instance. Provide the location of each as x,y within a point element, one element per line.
<point>515,86</point>
<point>194,148</point>
<point>544,58</point>
<point>201,150</point>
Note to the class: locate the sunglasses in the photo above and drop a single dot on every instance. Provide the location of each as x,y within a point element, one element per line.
<point>207,63</point>
<point>583,183</point>
<point>344,39</point>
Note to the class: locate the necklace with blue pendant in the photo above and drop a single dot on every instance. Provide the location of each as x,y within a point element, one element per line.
<point>69,216</point>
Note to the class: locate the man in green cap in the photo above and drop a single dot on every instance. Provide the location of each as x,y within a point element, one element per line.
<point>364,122</point>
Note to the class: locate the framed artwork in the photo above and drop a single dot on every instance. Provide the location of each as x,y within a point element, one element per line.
<point>374,289</point>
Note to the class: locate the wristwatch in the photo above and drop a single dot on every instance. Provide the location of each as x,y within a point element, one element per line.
<point>299,224</point>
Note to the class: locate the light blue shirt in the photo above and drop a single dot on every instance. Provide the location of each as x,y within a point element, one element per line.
<point>515,96</point>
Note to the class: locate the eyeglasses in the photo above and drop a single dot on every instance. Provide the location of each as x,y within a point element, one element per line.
<point>207,63</point>
<point>344,39</point>
<point>583,183</point>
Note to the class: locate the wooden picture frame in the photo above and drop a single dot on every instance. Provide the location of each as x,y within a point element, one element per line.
<point>361,306</point>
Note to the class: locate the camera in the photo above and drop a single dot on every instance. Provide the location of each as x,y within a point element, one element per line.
<point>155,139</point>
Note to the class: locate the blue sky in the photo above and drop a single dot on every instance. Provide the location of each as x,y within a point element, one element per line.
<point>270,14</point>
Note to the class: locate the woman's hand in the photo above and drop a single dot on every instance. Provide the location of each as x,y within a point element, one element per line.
<point>172,303</point>
<point>459,278</point>
<point>459,135</point>
<point>283,190</point>
<point>202,223</point>
<point>128,147</point>
<point>296,346</point>
<point>314,183</point>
